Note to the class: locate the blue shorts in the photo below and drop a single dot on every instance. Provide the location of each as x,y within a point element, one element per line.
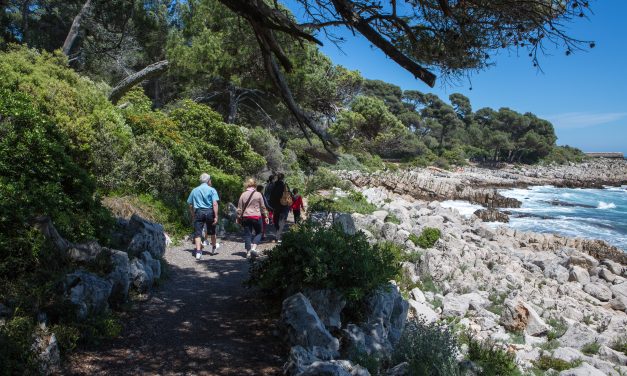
<point>203,217</point>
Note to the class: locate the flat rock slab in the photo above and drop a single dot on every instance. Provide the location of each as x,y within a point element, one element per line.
<point>201,321</point>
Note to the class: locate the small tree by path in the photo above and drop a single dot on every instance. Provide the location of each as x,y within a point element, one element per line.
<point>201,321</point>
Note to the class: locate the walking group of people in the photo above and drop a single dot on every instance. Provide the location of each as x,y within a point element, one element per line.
<point>257,208</point>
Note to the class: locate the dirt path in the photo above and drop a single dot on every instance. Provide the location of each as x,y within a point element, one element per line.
<point>201,321</point>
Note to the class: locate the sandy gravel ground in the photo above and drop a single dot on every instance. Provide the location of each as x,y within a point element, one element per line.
<point>200,321</point>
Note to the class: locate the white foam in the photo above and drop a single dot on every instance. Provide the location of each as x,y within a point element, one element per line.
<point>464,208</point>
<point>605,205</point>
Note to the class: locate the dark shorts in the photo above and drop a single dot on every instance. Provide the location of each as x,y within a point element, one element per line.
<point>203,217</point>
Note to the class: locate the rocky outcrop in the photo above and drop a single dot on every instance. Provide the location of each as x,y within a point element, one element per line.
<point>491,215</point>
<point>504,285</point>
<point>138,235</point>
<point>304,327</point>
<point>477,184</point>
<point>88,292</point>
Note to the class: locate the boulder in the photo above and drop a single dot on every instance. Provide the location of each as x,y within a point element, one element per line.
<point>119,277</point>
<point>418,296</point>
<point>612,355</point>
<point>619,292</point>
<point>371,339</point>
<point>584,369</point>
<point>328,304</point>
<point>454,305</point>
<point>581,259</point>
<point>599,291</point>
<point>557,272</point>
<point>613,266</point>
<point>423,311</point>
<point>491,215</point>
<point>303,325</point>
<point>567,354</point>
<point>300,358</point>
<point>141,276</point>
<point>401,369</point>
<point>389,231</point>
<point>46,349</point>
<point>88,292</point>
<point>139,235</point>
<point>152,264</point>
<point>518,315</point>
<point>84,252</point>
<point>579,274</point>
<point>334,368</point>
<point>380,214</point>
<point>346,223</point>
<point>578,335</point>
<point>607,275</point>
<point>387,306</point>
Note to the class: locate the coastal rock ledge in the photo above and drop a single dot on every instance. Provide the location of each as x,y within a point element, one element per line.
<point>479,185</point>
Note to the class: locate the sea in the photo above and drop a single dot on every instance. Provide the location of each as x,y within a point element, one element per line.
<point>588,213</point>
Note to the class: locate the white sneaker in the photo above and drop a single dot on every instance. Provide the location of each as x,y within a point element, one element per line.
<point>215,248</point>
<point>204,243</point>
<point>247,254</point>
<point>198,255</point>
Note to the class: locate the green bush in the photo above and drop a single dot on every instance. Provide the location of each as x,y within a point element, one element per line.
<point>16,355</point>
<point>493,360</point>
<point>563,155</point>
<point>427,238</point>
<point>324,178</point>
<point>558,328</point>
<point>430,349</point>
<point>546,363</point>
<point>316,257</point>
<point>620,344</point>
<point>355,202</point>
<point>591,348</point>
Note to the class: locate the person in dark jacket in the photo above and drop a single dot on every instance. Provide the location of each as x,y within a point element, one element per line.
<point>280,211</point>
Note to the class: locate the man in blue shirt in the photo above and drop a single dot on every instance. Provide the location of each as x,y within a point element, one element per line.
<point>203,207</point>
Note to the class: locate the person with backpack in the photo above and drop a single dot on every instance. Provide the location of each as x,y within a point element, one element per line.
<point>297,206</point>
<point>264,223</point>
<point>281,201</point>
<point>251,214</point>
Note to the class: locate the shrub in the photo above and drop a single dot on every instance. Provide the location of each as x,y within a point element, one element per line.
<point>546,363</point>
<point>427,238</point>
<point>324,178</point>
<point>355,202</point>
<point>391,218</point>
<point>558,328</point>
<point>16,355</point>
<point>563,155</point>
<point>493,360</point>
<point>316,257</point>
<point>620,344</point>
<point>591,348</point>
<point>430,349</point>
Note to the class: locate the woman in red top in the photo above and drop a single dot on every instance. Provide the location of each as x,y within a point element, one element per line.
<point>297,205</point>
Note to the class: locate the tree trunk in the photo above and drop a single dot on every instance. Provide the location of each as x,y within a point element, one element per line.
<point>232,110</point>
<point>25,11</point>
<point>153,70</point>
<point>75,28</point>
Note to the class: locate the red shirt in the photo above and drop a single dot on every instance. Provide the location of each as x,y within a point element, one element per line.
<point>298,203</point>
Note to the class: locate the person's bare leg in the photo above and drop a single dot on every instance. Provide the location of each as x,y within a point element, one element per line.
<point>198,242</point>
<point>213,241</point>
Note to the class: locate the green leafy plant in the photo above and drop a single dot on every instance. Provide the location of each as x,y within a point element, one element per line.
<point>354,202</point>
<point>430,349</point>
<point>546,363</point>
<point>558,328</point>
<point>391,218</point>
<point>591,348</point>
<point>312,256</point>
<point>427,238</point>
<point>324,178</point>
<point>620,344</point>
<point>493,360</point>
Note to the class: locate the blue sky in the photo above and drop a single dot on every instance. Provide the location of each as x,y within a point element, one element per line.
<point>584,95</point>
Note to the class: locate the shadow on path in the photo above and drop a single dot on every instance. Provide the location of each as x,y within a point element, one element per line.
<point>202,321</point>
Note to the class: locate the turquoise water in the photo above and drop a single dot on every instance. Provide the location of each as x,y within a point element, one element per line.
<point>588,213</point>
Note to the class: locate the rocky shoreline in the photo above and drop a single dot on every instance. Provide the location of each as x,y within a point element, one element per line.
<point>538,295</point>
<point>479,185</point>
